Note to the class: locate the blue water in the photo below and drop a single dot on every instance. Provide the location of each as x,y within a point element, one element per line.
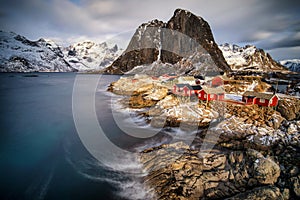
<point>41,155</point>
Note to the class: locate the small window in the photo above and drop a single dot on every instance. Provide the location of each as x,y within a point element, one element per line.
<point>205,96</point>
<point>262,100</point>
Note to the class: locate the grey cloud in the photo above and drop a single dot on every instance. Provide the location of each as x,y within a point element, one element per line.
<point>282,41</point>
<point>269,24</point>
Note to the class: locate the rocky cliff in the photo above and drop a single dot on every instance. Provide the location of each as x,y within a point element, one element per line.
<point>185,41</point>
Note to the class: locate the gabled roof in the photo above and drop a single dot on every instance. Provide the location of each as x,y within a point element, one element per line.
<point>218,90</point>
<point>181,85</point>
<point>196,87</point>
<point>258,95</point>
<point>190,87</point>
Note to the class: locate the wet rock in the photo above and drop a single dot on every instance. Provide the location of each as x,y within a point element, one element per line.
<point>177,172</point>
<point>137,101</point>
<point>296,185</point>
<point>262,193</point>
<point>266,171</point>
<point>289,108</point>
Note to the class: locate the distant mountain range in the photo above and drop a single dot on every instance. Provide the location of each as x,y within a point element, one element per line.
<point>183,45</point>
<point>249,58</point>
<point>292,65</point>
<point>90,56</point>
<point>18,54</point>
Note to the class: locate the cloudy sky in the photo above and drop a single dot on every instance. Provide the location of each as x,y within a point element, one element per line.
<point>273,25</point>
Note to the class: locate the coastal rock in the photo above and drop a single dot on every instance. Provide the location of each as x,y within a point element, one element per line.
<point>289,108</point>
<point>168,102</point>
<point>132,85</point>
<point>261,193</point>
<point>296,185</point>
<point>175,171</point>
<point>266,171</point>
<point>138,101</point>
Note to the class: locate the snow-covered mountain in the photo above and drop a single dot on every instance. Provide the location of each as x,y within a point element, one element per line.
<point>249,58</point>
<point>89,56</point>
<point>18,54</point>
<point>292,65</point>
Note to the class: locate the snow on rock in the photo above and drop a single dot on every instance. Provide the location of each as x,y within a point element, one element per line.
<point>88,55</point>
<point>292,65</point>
<point>18,54</point>
<point>249,58</point>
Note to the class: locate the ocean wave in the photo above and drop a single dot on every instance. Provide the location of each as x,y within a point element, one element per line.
<point>123,173</point>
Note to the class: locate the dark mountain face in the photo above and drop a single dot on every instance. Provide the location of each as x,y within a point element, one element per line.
<point>199,30</point>
<point>185,40</point>
<point>143,48</point>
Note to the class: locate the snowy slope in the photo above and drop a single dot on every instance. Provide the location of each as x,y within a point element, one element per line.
<point>249,58</point>
<point>18,54</point>
<point>88,55</point>
<point>292,65</point>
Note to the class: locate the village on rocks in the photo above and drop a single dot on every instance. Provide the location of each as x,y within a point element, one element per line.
<point>255,152</point>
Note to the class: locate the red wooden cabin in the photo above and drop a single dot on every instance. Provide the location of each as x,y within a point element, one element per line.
<point>186,89</point>
<point>261,99</point>
<point>210,94</point>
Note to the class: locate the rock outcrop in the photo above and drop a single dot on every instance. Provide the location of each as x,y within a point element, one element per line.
<point>185,40</point>
<point>178,172</point>
<point>289,108</point>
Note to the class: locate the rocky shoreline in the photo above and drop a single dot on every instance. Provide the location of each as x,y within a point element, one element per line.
<point>254,154</point>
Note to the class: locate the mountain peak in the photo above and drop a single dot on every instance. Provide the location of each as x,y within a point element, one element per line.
<point>174,42</point>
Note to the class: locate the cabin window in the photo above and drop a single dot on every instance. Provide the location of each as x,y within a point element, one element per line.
<point>262,101</point>
<point>205,95</point>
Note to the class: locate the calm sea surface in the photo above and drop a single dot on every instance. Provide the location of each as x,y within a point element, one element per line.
<point>41,154</point>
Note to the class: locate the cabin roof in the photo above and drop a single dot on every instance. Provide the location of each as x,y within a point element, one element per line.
<point>196,87</point>
<point>181,85</point>
<point>191,87</point>
<point>218,90</point>
<point>258,95</point>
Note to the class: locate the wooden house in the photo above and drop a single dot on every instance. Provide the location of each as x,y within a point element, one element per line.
<point>186,89</point>
<point>261,99</point>
<point>210,94</point>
